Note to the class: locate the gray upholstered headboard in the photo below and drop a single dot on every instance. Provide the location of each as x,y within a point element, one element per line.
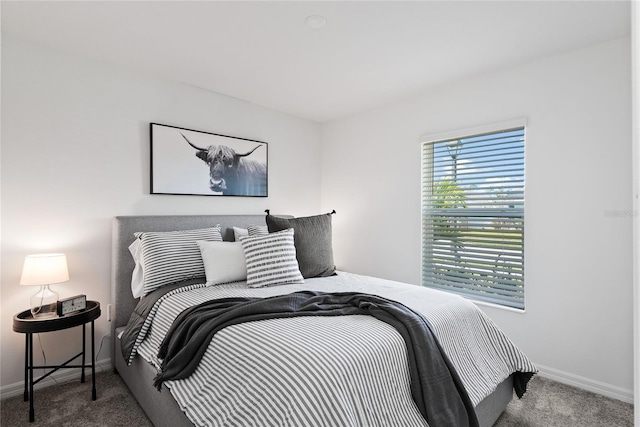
<point>123,302</point>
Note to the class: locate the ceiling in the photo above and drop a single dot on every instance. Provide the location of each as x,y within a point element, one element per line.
<point>369,53</point>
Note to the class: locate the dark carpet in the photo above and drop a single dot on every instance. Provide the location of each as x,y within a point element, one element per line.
<point>70,405</point>
<point>546,404</point>
<point>550,404</point>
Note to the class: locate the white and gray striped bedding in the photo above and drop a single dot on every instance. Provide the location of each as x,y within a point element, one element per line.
<point>327,371</point>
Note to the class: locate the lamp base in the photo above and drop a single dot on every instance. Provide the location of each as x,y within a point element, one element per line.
<point>44,303</point>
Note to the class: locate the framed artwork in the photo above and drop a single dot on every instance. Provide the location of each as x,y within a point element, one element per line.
<point>185,161</point>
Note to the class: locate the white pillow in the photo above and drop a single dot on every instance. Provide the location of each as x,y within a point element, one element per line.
<point>271,259</point>
<point>252,230</point>
<point>137,278</point>
<point>172,256</point>
<point>239,232</point>
<point>223,262</point>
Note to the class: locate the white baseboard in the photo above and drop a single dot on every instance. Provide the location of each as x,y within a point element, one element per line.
<point>608,390</point>
<point>60,377</point>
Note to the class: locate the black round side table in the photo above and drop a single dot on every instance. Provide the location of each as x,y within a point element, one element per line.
<point>25,323</point>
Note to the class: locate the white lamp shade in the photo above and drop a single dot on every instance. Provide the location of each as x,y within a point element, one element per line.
<point>44,269</point>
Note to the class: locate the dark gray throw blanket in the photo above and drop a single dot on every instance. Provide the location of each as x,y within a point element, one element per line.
<point>142,310</point>
<point>435,386</point>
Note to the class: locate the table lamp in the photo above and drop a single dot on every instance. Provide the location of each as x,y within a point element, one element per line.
<point>44,270</point>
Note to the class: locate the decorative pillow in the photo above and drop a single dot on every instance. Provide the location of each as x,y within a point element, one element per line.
<point>252,230</point>
<point>314,247</point>
<point>271,259</point>
<point>223,261</point>
<point>172,256</point>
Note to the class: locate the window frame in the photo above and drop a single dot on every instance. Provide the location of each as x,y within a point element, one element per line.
<point>427,176</point>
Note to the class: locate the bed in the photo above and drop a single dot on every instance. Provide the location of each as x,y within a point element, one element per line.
<point>172,407</point>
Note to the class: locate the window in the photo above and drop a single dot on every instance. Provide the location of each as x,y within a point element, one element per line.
<point>473,216</point>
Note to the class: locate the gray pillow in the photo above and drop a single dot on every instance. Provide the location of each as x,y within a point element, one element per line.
<point>312,238</point>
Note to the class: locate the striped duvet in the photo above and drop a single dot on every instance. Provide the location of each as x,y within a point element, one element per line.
<point>326,371</point>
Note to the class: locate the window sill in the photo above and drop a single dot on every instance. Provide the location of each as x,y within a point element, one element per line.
<point>497,306</point>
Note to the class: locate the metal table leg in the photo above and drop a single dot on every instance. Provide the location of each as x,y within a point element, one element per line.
<point>26,367</point>
<point>93,363</point>
<point>32,414</point>
<point>84,349</point>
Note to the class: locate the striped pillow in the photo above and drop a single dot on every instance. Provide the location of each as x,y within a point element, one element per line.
<point>271,259</point>
<point>252,230</point>
<point>172,256</point>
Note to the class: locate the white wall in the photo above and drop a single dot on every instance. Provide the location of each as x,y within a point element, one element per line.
<point>75,153</point>
<point>578,241</point>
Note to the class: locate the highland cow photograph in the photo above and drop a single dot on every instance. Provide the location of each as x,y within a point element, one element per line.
<point>190,162</point>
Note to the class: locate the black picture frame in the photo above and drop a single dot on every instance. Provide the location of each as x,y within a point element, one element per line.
<point>197,163</point>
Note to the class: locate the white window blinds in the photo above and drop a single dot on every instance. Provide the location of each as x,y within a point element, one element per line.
<point>473,216</point>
